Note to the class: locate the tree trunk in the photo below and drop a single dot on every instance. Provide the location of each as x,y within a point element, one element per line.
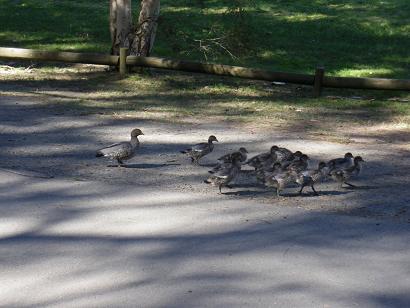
<point>120,25</point>
<point>144,35</point>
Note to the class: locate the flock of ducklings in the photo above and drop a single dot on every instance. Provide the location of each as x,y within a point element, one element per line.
<point>277,168</point>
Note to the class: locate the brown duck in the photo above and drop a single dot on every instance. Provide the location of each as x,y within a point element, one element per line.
<point>197,151</point>
<point>123,150</point>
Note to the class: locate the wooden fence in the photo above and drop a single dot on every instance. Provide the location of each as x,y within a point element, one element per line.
<point>318,80</point>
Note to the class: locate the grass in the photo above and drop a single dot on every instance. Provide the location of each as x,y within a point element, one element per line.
<point>176,97</point>
<point>350,38</point>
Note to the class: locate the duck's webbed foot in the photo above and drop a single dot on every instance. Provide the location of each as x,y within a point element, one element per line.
<point>120,163</point>
<point>314,190</point>
<point>220,188</point>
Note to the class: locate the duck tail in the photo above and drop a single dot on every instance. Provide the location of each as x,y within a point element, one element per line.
<point>99,154</point>
<point>185,151</point>
<point>207,182</point>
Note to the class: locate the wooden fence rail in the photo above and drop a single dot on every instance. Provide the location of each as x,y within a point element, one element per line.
<point>214,69</point>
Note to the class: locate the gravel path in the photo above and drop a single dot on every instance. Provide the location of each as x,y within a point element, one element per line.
<point>155,235</point>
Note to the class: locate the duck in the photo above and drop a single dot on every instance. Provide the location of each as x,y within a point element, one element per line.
<point>225,160</point>
<point>284,154</point>
<point>263,159</point>
<point>343,175</point>
<point>341,163</point>
<point>280,180</point>
<point>299,165</point>
<point>197,151</point>
<point>123,150</point>
<point>224,176</point>
<point>295,157</point>
<point>263,173</point>
<point>311,177</point>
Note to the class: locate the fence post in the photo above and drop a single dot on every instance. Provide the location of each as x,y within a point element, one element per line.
<point>123,61</point>
<point>317,86</point>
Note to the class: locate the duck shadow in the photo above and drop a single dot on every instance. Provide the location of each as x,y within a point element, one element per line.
<point>247,193</point>
<point>208,165</point>
<point>145,166</point>
<point>363,187</point>
<point>310,194</point>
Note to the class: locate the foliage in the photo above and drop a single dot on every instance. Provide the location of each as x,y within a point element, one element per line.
<point>350,38</point>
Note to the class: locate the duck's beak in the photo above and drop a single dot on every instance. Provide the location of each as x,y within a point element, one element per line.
<point>216,140</point>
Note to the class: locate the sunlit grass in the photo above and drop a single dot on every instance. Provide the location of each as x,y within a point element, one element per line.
<point>367,38</point>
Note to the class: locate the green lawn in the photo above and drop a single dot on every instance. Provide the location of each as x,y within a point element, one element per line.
<point>350,38</point>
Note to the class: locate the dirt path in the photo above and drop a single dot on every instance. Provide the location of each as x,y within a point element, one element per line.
<point>76,233</point>
<point>61,143</point>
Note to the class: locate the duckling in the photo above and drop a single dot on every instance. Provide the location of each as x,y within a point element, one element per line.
<point>283,154</point>
<point>263,173</point>
<point>225,175</point>
<point>311,177</point>
<point>263,159</point>
<point>341,163</point>
<point>280,180</point>
<point>227,159</point>
<point>295,157</point>
<point>343,175</point>
<point>123,150</point>
<point>197,151</point>
<point>300,165</point>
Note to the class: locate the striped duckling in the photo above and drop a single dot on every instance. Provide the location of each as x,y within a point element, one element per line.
<point>280,180</point>
<point>299,165</point>
<point>343,175</point>
<point>225,160</point>
<point>123,150</point>
<point>341,163</point>
<point>225,175</point>
<point>264,159</point>
<point>197,151</point>
<point>311,177</point>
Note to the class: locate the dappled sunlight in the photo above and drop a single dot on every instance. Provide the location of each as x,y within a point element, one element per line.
<point>120,242</point>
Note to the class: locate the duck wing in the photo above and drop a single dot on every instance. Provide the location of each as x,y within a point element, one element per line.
<point>122,149</point>
<point>202,147</point>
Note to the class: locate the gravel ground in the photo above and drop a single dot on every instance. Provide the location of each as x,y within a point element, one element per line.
<point>76,233</point>
<point>62,144</point>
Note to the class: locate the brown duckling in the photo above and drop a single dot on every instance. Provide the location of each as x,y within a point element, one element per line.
<point>263,173</point>
<point>197,151</point>
<point>299,165</point>
<point>225,175</point>
<point>343,175</point>
<point>264,159</point>
<point>311,177</point>
<point>123,150</point>
<point>227,159</point>
<point>283,154</point>
<point>341,163</point>
<point>280,180</point>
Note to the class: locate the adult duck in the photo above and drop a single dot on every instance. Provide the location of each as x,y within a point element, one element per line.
<point>123,150</point>
<point>197,151</point>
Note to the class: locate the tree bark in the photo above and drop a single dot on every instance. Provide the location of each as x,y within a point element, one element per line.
<point>120,25</point>
<point>145,31</point>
